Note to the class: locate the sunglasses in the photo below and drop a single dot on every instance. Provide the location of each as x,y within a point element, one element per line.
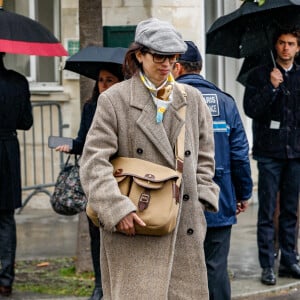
<point>161,58</point>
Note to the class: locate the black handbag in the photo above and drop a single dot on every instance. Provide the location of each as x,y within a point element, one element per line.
<point>68,197</point>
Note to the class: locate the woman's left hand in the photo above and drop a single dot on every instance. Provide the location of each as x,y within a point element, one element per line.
<point>126,225</point>
<point>63,148</point>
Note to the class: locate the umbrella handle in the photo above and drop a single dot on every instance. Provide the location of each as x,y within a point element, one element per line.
<point>281,85</point>
<point>273,59</point>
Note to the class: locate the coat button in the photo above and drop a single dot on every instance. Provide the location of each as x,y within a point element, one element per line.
<point>190,231</point>
<point>139,150</point>
<point>186,197</point>
<point>187,153</point>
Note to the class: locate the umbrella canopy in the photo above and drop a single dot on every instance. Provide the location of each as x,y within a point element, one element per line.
<point>88,61</point>
<point>249,29</point>
<point>22,35</point>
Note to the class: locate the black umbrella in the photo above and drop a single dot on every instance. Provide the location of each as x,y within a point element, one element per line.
<point>88,61</point>
<point>249,29</point>
<point>22,35</point>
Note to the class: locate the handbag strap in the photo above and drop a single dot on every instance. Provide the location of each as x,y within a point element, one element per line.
<point>67,161</point>
<point>179,147</point>
<point>76,159</point>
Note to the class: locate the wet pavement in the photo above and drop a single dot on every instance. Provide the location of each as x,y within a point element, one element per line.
<point>244,265</point>
<point>45,234</point>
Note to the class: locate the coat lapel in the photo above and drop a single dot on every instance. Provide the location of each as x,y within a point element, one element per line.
<point>162,135</point>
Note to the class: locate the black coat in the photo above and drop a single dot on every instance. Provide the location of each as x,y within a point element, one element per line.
<point>15,113</point>
<point>87,116</point>
<point>275,113</point>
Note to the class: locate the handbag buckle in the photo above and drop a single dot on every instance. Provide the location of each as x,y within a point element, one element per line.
<point>144,200</point>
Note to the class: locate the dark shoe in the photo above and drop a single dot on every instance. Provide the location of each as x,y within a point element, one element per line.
<point>5,291</point>
<point>268,276</point>
<point>291,271</point>
<point>97,294</point>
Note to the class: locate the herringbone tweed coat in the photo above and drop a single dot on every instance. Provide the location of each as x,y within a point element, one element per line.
<point>147,267</point>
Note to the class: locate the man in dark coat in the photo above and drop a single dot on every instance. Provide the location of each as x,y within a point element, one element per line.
<point>272,100</point>
<point>232,170</point>
<point>15,113</point>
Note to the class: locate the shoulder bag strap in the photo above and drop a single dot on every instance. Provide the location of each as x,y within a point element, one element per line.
<point>179,147</point>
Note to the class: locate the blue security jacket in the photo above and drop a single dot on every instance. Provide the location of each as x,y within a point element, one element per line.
<point>232,173</point>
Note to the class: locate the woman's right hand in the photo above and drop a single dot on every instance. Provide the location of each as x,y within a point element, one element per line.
<point>126,225</point>
<point>63,148</point>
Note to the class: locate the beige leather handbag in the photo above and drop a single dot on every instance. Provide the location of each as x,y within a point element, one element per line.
<point>153,190</point>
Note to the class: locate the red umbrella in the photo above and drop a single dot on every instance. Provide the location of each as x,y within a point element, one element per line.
<point>22,35</point>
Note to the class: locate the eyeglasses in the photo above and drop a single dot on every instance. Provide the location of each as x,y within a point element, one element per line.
<point>161,58</point>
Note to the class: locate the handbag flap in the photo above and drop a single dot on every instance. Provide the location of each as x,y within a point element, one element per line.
<point>142,182</point>
<point>148,184</point>
<point>142,169</point>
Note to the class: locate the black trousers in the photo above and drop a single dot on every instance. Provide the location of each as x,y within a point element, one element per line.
<point>216,248</point>
<point>277,175</point>
<point>95,251</point>
<point>8,246</point>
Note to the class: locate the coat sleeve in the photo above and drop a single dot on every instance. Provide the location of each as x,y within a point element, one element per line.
<point>87,115</point>
<point>208,190</point>
<point>259,94</point>
<point>96,171</point>
<point>239,158</point>
<point>25,118</point>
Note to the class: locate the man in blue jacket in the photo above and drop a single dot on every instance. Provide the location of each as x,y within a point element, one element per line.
<point>232,173</point>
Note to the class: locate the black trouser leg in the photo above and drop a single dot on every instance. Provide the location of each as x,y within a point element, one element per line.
<point>95,251</point>
<point>289,199</point>
<point>277,175</point>
<point>268,187</point>
<point>216,247</point>
<point>8,246</point>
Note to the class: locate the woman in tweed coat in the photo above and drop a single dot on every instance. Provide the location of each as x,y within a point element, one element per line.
<point>148,267</point>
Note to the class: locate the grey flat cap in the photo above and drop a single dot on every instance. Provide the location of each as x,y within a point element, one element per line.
<point>160,36</point>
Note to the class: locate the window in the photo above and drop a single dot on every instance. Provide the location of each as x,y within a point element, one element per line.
<point>41,71</point>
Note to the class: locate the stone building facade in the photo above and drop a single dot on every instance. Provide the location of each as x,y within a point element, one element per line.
<point>50,83</point>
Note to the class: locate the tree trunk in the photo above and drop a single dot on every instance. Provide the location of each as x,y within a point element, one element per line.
<point>90,31</point>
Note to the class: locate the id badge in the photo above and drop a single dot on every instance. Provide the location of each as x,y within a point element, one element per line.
<point>274,125</point>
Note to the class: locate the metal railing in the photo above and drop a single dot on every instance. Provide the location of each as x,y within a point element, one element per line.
<point>39,164</point>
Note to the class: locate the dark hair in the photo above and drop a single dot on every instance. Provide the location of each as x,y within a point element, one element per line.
<point>191,66</point>
<point>292,30</point>
<point>131,65</point>
<point>115,69</point>
<point>95,94</point>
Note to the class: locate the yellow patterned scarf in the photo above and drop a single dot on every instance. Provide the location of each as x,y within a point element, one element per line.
<point>162,96</point>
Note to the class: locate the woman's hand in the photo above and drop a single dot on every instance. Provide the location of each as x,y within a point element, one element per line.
<point>126,225</point>
<point>63,148</point>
